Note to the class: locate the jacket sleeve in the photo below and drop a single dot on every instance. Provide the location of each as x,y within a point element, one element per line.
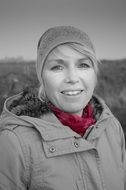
<point>12,164</point>
<point>124,154</point>
<point>123,147</point>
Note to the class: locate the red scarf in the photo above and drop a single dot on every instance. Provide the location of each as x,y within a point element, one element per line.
<point>75,122</point>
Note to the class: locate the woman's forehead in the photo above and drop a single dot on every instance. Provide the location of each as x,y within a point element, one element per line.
<point>65,51</point>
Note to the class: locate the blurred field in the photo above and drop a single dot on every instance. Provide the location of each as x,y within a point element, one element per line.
<point>15,75</point>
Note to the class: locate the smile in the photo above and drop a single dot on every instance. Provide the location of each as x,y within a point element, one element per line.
<point>72,93</point>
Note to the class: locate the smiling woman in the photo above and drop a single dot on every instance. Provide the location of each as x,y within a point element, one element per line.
<point>62,135</point>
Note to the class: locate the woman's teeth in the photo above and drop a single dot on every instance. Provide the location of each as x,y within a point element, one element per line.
<point>72,93</point>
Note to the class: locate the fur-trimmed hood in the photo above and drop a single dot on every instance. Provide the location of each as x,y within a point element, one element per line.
<point>27,103</point>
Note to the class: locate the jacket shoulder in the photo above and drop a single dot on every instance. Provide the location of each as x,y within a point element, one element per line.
<point>115,131</point>
<point>29,145</point>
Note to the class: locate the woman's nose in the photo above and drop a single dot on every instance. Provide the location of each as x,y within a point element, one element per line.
<point>72,77</point>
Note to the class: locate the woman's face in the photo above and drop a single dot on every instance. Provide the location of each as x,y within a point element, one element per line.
<point>68,79</point>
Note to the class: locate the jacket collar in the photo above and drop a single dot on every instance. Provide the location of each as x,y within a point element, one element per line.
<point>51,129</point>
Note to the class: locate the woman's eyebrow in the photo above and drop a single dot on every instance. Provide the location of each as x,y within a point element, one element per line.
<point>84,58</point>
<point>60,61</point>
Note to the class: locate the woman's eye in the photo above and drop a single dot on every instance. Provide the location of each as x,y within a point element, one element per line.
<point>84,65</point>
<point>57,68</point>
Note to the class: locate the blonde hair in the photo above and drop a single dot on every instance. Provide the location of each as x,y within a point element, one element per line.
<point>85,51</point>
<point>41,94</point>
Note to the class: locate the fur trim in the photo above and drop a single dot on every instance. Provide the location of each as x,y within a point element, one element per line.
<point>30,105</point>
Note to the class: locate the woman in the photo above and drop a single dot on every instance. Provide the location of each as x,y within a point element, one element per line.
<point>62,136</point>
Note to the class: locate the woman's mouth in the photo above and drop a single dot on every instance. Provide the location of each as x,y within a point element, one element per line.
<point>72,92</point>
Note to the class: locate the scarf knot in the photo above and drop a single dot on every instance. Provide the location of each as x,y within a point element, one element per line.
<point>75,122</point>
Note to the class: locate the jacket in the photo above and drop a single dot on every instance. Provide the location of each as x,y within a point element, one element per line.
<point>38,153</point>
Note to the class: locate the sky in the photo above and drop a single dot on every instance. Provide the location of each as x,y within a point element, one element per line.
<point>22,22</point>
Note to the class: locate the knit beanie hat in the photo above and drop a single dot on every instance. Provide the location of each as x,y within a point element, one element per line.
<point>56,36</point>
